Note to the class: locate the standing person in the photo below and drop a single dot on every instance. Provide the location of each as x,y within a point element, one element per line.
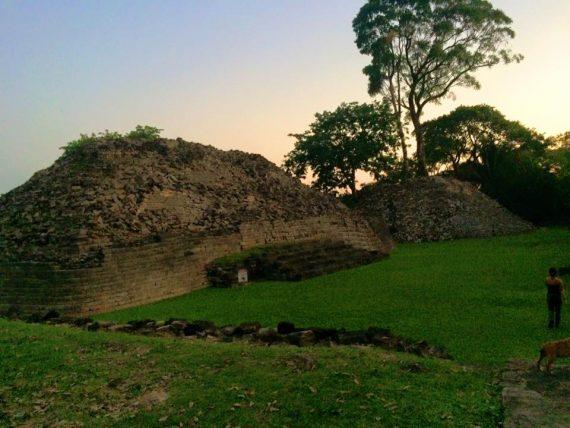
<point>554,297</point>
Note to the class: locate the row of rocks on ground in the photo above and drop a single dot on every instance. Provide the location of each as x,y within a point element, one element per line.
<point>285,333</point>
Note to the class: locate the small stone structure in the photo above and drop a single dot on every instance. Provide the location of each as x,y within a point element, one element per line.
<point>434,209</point>
<point>118,223</point>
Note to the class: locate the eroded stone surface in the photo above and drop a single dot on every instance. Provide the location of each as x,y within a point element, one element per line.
<point>532,398</point>
<point>434,209</point>
<point>122,192</point>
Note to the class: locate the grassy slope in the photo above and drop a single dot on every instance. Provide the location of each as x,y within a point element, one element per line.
<point>483,299</point>
<point>57,376</point>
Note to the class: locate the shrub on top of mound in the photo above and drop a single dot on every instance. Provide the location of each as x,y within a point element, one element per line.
<point>434,209</point>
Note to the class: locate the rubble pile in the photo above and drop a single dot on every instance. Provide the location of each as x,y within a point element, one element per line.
<point>435,209</point>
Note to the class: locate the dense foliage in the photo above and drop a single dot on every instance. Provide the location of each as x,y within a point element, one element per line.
<point>510,162</point>
<point>339,143</point>
<point>421,49</point>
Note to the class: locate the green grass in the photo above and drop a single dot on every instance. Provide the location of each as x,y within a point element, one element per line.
<point>57,376</point>
<point>483,299</point>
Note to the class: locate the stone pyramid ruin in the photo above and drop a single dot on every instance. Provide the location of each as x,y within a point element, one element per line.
<point>434,209</point>
<point>117,222</point>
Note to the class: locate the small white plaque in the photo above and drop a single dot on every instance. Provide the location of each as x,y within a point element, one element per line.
<point>242,276</point>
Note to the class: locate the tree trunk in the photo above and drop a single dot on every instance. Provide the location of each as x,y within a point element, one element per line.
<point>402,138</point>
<point>396,106</point>
<point>420,148</point>
<point>352,183</point>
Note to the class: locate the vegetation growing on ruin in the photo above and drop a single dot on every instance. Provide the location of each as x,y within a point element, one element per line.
<point>482,299</point>
<point>80,148</point>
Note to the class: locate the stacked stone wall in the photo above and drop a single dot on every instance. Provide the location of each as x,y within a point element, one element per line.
<point>132,276</point>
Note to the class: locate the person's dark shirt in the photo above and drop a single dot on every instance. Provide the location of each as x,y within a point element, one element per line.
<point>554,286</point>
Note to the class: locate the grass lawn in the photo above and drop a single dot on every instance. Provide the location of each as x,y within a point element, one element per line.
<point>483,299</point>
<point>57,376</point>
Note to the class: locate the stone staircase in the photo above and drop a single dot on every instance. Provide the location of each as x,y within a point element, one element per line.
<point>307,260</point>
<point>292,262</point>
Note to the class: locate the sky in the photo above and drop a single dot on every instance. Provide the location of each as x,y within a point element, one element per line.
<point>233,74</point>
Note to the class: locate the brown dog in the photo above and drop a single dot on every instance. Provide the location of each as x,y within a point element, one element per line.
<point>553,350</point>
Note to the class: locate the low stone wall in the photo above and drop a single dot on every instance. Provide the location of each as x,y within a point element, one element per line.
<point>142,274</point>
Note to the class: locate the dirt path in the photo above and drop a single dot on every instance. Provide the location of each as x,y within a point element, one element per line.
<point>535,399</point>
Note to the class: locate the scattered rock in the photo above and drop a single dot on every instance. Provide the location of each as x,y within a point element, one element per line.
<point>199,326</point>
<point>302,338</point>
<point>353,337</point>
<point>268,335</point>
<point>105,325</point>
<point>228,330</point>
<point>325,334</point>
<point>92,326</point>
<point>165,330</point>
<point>178,325</point>
<point>121,328</point>
<point>285,327</point>
<point>247,328</point>
<point>137,324</point>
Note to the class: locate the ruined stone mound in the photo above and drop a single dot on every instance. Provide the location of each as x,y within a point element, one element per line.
<point>436,208</point>
<point>121,192</point>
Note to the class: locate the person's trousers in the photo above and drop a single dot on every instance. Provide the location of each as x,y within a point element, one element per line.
<point>554,308</point>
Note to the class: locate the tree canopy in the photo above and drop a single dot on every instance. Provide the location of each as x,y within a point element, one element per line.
<point>421,49</point>
<point>510,162</point>
<point>469,135</point>
<point>339,143</point>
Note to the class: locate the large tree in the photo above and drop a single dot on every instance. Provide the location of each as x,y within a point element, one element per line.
<point>421,49</point>
<point>470,135</point>
<point>505,158</point>
<point>339,143</point>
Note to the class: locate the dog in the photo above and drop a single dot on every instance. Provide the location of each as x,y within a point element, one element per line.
<point>553,350</point>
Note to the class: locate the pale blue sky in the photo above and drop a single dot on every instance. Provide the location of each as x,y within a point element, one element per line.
<point>234,74</point>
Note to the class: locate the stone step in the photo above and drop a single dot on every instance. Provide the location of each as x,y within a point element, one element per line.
<point>297,262</point>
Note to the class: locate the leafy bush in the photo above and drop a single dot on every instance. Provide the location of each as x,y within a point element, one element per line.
<point>144,133</point>
<point>77,147</point>
<point>80,148</point>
